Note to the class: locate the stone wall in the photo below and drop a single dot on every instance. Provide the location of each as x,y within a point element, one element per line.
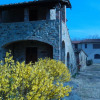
<point>44,31</point>
<point>52,30</point>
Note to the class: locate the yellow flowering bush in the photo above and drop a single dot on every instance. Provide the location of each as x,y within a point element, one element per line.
<point>40,81</point>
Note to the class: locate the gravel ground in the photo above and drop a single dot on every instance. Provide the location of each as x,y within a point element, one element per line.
<point>88,83</point>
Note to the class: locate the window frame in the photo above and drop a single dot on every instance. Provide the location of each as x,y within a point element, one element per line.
<point>96,46</point>
<point>85,45</point>
<point>97,56</point>
<point>76,46</point>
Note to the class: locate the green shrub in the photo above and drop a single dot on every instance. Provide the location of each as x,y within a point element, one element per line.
<point>89,62</point>
<point>40,81</point>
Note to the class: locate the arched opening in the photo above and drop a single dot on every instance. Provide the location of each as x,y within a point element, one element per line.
<point>30,50</point>
<point>63,52</point>
<point>68,60</point>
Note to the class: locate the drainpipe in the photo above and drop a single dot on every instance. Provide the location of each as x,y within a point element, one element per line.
<point>60,33</point>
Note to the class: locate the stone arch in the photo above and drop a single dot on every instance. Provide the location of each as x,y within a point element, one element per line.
<point>20,50</point>
<point>63,51</point>
<point>30,38</point>
<point>68,59</point>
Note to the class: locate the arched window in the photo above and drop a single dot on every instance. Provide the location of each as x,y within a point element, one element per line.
<point>68,59</point>
<point>63,52</point>
<point>97,56</point>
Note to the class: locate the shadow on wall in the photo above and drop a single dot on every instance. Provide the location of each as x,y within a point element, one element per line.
<point>68,59</point>
<point>63,52</point>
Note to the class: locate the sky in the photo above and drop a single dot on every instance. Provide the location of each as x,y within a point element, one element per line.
<point>83,18</point>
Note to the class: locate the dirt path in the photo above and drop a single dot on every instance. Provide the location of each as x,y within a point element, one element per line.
<point>88,82</point>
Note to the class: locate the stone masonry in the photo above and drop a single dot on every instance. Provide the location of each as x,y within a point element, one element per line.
<point>37,24</point>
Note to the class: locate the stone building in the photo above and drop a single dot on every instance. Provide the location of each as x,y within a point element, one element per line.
<point>36,29</point>
<point>91,47</point>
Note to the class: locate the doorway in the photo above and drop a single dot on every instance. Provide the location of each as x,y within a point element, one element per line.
<point>31,54</point>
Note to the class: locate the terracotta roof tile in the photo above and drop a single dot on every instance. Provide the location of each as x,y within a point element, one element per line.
<point>90,40</point>
<point>76,42</point>
<point>87,41</point>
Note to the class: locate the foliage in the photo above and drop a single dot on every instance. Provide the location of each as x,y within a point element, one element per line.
<point>74,76</point>
<point>40,81</point>
<point>89,62</point>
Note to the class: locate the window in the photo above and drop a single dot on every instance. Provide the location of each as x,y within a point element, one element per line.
<point>97,56</point>
<point>13,15</point>
<point>85,45</point>
<point>31,54</point>
<point>96,46</point>
<point>76,46</point>
<point>37,14</point>
<point>33,15</point>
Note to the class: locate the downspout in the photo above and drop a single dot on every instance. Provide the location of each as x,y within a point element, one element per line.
<point>60,33</point>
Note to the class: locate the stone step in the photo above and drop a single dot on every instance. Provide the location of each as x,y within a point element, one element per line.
<point>88,71</point>
<point>90,74</point>
<point>93,69</point>
<point>90,98</point>
<point>93,72</point>
<point>89,93</point>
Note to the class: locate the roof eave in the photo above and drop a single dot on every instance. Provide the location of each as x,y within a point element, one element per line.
<point>35,3</point>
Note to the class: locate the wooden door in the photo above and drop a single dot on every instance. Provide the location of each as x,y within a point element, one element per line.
<point>31,54</point>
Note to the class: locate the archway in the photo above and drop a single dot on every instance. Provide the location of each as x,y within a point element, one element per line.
<point>63,52</point>
<point>68,59</point>
<point>30,50</point>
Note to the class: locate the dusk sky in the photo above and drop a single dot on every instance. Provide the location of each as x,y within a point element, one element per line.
<point>83,18</point>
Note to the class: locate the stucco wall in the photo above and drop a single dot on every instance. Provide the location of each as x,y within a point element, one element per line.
<point>91,52</point>
<point>68,49</point>
<point>82,59</point>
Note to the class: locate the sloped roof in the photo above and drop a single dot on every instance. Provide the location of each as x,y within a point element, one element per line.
<point>35,3</point>
<point>90,41</point>
<point>75,42</point>
<point>87,41</point>
<point>79,51</point>
<point>83,52</point>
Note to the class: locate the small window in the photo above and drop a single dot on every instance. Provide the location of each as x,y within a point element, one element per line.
<point>81,58</point>
<point>76,46</point>
<point>96,46</point>
<point>97,56</point>
<point>85,45</point>
<point>33,15</point>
